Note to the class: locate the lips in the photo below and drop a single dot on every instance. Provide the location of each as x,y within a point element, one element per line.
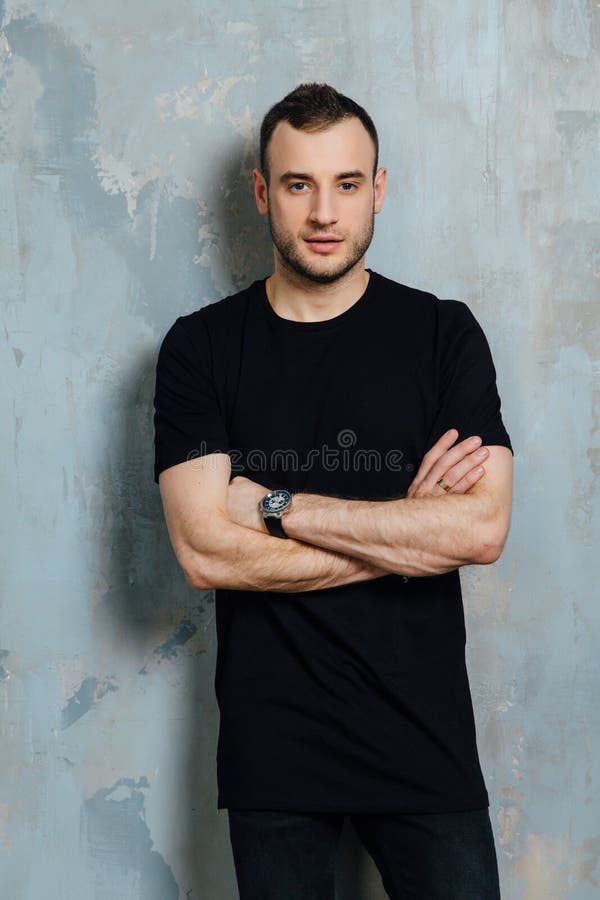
<point>323,243</point>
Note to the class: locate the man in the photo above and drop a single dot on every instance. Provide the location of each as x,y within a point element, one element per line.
<point>290,420</point>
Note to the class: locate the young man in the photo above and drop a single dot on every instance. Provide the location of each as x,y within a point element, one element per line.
<point>291,419</point>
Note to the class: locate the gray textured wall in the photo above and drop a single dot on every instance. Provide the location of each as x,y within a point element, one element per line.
<point>127,137</point>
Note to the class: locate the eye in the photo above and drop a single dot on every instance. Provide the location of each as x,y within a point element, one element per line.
<point>347,186</point>
<point>297,187</point>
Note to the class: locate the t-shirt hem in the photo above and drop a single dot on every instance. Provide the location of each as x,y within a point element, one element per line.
<point>348,809</point>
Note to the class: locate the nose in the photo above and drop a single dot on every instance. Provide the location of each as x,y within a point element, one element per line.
<point>323,209</point>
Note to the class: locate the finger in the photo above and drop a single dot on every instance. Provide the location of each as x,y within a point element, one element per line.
<point>451,458</point>
<point>454,474</point>
<point>441,446</point>
<point>468,480</point>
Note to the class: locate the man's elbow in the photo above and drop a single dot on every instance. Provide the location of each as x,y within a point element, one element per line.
<point>199,578</point>
<point>488,553</point>
<point>205,569</point>
<point>196,568</point>
<point>490,543</point>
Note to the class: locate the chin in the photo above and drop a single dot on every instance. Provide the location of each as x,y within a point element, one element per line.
<point>323,275</point>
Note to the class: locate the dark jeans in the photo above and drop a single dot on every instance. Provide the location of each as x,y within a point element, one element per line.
<point>433,856</point>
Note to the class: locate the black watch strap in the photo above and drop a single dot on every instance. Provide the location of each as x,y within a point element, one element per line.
<point>275,527</point>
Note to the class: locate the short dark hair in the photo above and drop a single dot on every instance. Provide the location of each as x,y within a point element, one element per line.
<point>312,107</point>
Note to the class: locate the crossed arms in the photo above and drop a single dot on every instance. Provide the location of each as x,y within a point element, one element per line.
<point>220,540</point>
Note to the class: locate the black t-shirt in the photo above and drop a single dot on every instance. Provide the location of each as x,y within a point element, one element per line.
<point>354,698</point>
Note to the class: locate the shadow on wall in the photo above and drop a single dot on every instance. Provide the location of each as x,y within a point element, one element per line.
<point>242,249</point>
<point>146,585</point>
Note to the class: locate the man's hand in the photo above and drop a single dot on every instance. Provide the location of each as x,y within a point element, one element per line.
<point>417,535</point>
<point>459,466</point>
<point>243,497</point>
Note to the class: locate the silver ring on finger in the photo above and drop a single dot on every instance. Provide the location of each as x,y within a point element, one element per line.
<point>444,484</point>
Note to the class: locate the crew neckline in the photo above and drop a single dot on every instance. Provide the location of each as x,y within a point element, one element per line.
<point>321,324</point>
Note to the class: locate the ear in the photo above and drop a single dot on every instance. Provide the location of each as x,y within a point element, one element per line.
<point>379,185</point>
<point>261,192</point>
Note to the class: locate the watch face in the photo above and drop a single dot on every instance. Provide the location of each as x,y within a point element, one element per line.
<point>276,501</point>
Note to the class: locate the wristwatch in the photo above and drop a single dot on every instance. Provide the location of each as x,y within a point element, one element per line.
<point>273,506</point>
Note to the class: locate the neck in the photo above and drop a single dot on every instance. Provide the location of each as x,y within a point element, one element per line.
<point>297,298</point>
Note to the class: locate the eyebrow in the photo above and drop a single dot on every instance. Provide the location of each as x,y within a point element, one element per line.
<point>356,174</point>
<point>304,176</point>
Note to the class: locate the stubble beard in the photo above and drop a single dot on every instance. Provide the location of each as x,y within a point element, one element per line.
<point>291,258</point>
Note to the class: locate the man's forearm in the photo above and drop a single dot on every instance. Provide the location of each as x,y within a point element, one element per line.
<point>414,537</point>
<point>427,533</point>
<point>239,558</point>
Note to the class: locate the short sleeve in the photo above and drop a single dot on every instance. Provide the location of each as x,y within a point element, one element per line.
<point>468,398</point>
<point>187,417</point>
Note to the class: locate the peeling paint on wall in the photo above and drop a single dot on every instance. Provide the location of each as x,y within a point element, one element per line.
<point>87,696</point>
<point>553,868</point>
<point>124,865</point>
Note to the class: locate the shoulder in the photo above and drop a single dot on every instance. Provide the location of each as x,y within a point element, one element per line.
<point>218,317</point>
<point>456,313</point>
<point>406,302</point>
<point>397,290</point>
<point>450,309</point>
<point>224,312</point>
<point>459,328</point>
<point>448,313</point>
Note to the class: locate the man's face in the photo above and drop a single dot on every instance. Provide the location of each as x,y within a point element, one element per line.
<point>321,198</point>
